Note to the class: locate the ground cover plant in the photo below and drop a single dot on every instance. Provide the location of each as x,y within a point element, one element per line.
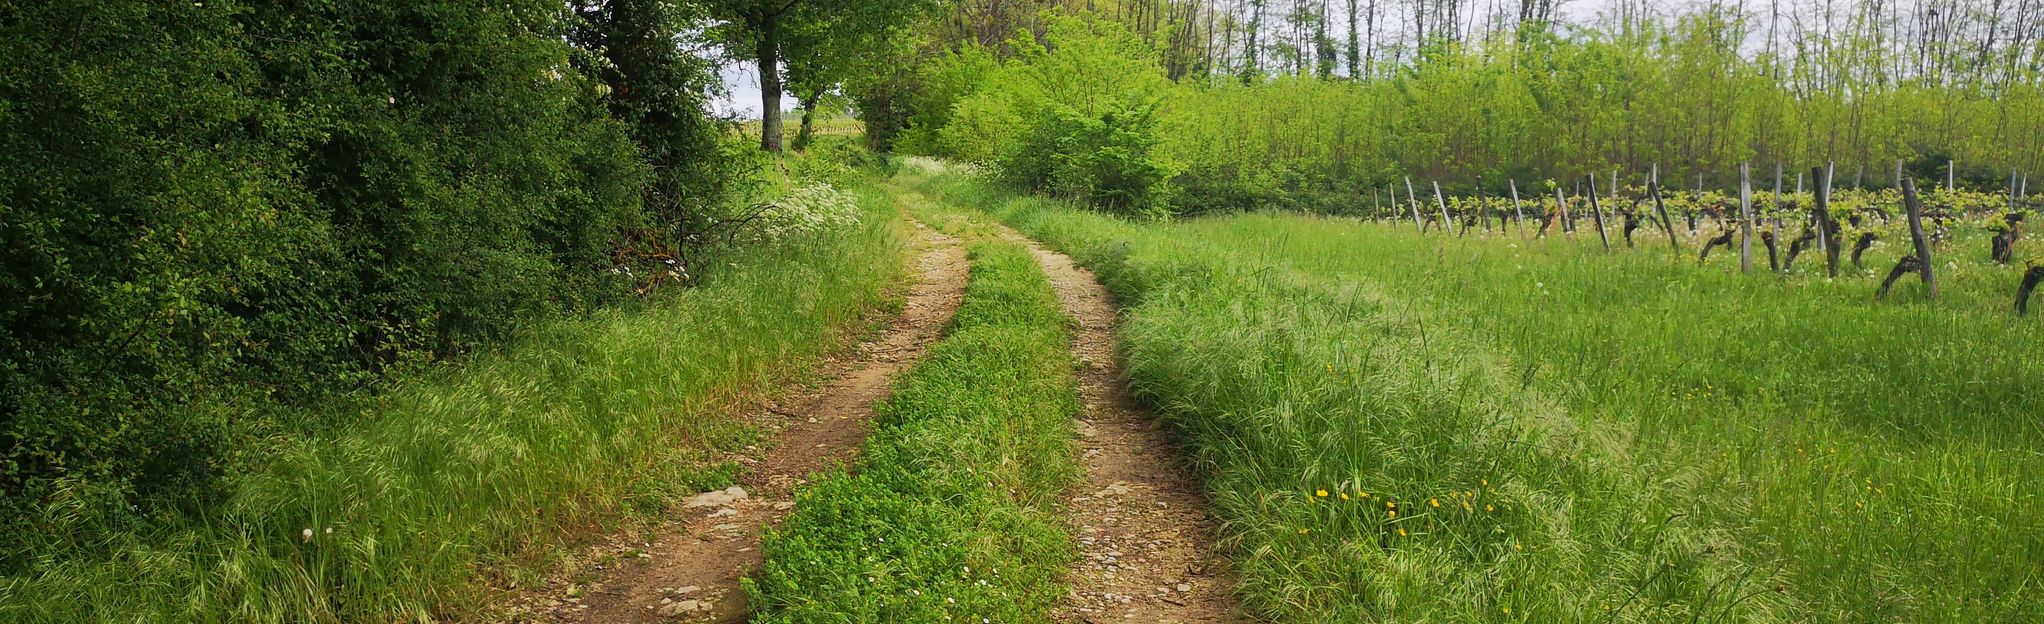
<point>951,515</point>
<point>1545,433</point>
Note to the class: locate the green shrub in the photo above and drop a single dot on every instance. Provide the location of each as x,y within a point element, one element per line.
<point>214,215</point>
<point>1106,162</point>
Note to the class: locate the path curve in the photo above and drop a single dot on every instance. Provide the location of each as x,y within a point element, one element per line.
<point>691,574</point>
<point>1146,543</point>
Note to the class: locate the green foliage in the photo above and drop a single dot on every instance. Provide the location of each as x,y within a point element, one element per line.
<point>660,92</point>
<point>1077,118</point>
<point>218,219</point>
<point>1104,162</point>
<point>952,514</point>
<point>1534,102</point>
<point>212,210</point>
<point>451,482</point>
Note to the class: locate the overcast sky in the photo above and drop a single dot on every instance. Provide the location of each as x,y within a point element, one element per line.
<point>741,81</point>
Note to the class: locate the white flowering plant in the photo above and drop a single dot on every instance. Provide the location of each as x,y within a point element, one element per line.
<point>807,208</point>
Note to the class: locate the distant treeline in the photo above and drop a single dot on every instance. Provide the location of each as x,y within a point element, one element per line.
<point>1311,104</point>
<point>216,214</point>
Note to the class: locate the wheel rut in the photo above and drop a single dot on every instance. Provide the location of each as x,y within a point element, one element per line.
<point>1145,539</point>
<point>691,574</point>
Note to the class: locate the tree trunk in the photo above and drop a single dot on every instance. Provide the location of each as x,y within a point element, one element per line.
<point>770,83</point>
<point>808,129</point>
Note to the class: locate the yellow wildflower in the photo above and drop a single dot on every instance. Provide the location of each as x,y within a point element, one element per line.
<point>1434,501</point>
<point>1320,493</point>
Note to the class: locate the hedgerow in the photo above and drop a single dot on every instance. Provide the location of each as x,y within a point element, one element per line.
<point>216,213</point>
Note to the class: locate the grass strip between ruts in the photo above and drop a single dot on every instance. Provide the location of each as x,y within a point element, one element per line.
<point>952,515</point>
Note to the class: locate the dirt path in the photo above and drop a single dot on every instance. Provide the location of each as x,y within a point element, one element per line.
<point>1145,540</point>
<point>691,574</point>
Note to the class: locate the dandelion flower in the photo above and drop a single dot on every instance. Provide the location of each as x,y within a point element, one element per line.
<point>1302,530</point>
<point>1434,501</point>
<point>1320,493</point>
<point>1489,508</point>
<point>1401,532</point>
<point>1344,495</point>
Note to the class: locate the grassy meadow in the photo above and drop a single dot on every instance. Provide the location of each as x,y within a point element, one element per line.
<point>1405,428</point>
<point>952,515</point>
<point>426,497</point>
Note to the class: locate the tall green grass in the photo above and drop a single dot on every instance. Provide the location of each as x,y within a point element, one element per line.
<point>1877,451</point>
<point>1566,437</point>
<point>429,490</point>
<point>953,514</point>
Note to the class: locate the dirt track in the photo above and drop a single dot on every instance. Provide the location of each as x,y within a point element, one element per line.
<point>691,573</point>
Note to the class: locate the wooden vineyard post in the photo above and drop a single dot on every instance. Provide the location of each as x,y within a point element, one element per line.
<point>1699,204</point>
<point>1745,218</point>
<point>1822,179</point>
<point>1820,191</point>
<point>1598,210</point>
<point>1519,213</point>
<point>1446,220</point>
<point>1777,198</point>
<point>1916,236</point>
<point>1412,199</point>
<point>1561,204</point>
<point>1661,208</point>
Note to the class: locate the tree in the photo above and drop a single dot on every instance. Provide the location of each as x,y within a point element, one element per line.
<point>804,32</point>
<point>662,93</point>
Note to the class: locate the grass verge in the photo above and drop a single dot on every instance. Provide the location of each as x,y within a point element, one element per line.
<point>953,513</point>
<point>482,468</point>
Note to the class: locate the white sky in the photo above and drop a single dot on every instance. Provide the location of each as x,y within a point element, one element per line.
<point>741,83</point>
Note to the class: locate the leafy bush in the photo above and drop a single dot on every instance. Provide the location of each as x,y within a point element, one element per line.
<point>1106,162</point>
<point>446,485</point>
<point>213,214</point>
